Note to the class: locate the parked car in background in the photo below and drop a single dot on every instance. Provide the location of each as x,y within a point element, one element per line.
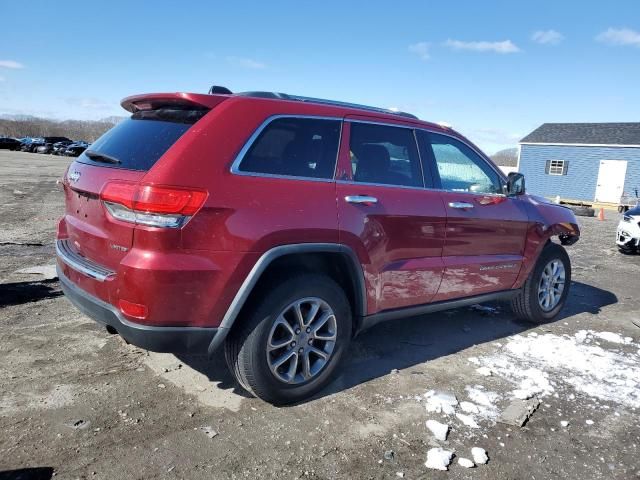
<point>46,148</point>
<point>629,201</point>
<point>29,144</point>
<point>45,145</point>
<point>628,233</point>
<point>75,149</point>
<point>60,147</point>
<point>277,227</point>
<point>8,143</point>
<point>46,142</point>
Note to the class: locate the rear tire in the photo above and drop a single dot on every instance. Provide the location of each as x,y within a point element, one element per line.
<point>583,211</point>
<point>533,303</point>
<point>253,359</point>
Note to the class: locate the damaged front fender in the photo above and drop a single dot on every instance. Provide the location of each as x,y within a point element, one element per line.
<point>547,220</point>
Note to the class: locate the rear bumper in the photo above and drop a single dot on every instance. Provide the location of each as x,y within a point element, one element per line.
<point>195,340</point>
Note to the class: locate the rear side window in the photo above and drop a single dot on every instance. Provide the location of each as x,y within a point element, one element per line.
<point>384,155</point>
<point>296,147</point>
<point>139,141</point>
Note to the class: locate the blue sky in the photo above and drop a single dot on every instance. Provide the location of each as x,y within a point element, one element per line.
<point>493,70</point>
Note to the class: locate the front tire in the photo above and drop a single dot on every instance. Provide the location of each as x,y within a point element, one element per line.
<point>545,292</point>
<point>291,340</point>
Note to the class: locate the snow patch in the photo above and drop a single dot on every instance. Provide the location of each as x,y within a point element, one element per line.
<point>534,382</point>
<point>469,407</point>
<point>484,402</point>
<point>468,420</point>
<point>439,430</point>
<point>438,459</point>
<point>479,455</point>
<point>440,402</point>
<point>465,462</point>
<point>613,337</point>
<point>575,361</point>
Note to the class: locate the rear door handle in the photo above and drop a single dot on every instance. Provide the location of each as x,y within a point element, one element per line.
<point>361,199</point>
<point>461,205</point>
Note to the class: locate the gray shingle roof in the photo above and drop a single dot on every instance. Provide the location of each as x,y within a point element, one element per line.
<point>591,133</point>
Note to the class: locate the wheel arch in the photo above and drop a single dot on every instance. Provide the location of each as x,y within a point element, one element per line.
<point>337,260</point>
<point>538,237</point>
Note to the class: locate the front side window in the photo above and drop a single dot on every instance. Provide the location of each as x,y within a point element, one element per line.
<point>461,169</point>
<point>296,147</point>
<point>384,155</point>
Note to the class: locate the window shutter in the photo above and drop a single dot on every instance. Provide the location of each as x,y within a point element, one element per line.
<point>547,167</point>
<point>565,167</point>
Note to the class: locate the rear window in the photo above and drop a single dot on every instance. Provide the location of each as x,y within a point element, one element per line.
<point>296,147</point>
<point>139,141</point>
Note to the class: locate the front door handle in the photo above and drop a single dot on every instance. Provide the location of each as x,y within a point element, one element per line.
<point>461,205</point>
<point>361,199</point>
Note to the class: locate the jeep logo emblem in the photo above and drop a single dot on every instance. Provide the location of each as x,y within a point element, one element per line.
<point>74,176</point>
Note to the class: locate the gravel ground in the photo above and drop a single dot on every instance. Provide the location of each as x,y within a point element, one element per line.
<point>76,402</point>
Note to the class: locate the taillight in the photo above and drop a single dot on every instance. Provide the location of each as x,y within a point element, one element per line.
<point>153,205</point>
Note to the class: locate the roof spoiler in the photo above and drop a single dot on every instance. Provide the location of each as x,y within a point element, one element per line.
<point>153,101</point>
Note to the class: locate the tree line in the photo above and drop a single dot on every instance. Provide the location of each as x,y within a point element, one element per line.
<point>88,130</point>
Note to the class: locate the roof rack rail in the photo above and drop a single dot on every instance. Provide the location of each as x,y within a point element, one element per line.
<point>322,101</point>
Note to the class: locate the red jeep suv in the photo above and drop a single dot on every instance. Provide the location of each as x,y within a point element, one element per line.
<point>277,227</point>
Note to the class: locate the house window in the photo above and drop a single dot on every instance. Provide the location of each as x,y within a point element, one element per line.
<point>557,167</point>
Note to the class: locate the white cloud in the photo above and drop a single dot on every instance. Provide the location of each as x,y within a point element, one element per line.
<point>10,64</point>
<point>421,49</point>
<point>547,37</point>
<point>246,63</point>
<point>506,46</point>
<point>619,36</point>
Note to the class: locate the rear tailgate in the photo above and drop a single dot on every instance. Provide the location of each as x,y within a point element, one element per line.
<point>91,233</point>
<point>124,154</point>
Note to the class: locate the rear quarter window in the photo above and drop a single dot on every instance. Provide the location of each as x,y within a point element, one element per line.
<point>139,141</point>
<point>295,147</point>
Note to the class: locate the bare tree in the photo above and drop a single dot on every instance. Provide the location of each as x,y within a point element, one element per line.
<point>87,130</point>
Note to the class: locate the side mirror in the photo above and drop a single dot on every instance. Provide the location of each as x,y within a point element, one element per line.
<point>515,184</point>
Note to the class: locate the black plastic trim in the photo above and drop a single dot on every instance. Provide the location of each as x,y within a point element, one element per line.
<point>194,340</point>
<point>371,320</point>
<point>265,260</point>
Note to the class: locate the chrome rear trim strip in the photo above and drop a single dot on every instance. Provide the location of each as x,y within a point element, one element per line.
<point>81,264</point>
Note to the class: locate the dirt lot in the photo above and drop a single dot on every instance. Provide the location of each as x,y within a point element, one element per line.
<point>80,403</point>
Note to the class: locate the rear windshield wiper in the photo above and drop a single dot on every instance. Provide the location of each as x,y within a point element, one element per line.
<point>101,157</point>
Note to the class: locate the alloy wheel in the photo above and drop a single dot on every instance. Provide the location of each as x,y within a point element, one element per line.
<point>551,285</point>
<point>301,340</point>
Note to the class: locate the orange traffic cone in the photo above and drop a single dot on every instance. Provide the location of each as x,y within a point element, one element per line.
<point>601,214</point>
